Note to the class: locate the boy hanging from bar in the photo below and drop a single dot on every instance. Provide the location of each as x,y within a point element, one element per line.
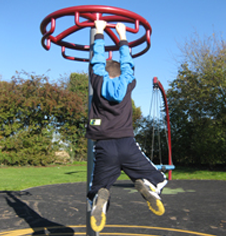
<point>110,126</point>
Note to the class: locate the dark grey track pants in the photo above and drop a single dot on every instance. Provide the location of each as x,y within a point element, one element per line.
<point>114,155</point>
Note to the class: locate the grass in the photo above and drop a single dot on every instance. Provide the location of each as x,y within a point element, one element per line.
<point>20,178</point>
<point>195,173</point>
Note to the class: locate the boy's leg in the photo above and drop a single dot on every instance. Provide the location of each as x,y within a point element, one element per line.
<point>98,213</point>
<point>106,171</point>
<point>148,180</point>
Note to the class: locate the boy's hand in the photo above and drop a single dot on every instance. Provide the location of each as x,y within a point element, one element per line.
<point>100,26</point>
<point>121,30</point>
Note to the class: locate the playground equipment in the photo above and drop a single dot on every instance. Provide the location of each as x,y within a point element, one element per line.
<point>90,13</point>
<point>84,17</point>
<point>155,113</point>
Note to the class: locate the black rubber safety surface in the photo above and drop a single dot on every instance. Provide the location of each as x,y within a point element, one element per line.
<point>193,207</point>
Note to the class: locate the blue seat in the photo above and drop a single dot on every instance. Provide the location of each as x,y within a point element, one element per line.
<point>165,168</point>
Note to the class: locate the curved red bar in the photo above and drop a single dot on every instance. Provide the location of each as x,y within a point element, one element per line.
<point>47,34</point>
<point>156,81</point>
<point>91,13</point>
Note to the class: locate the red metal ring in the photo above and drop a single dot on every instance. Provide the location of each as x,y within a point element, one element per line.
<point>91,13</point>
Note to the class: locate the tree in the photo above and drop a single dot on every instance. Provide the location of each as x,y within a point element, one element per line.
<point>152,138</point>
<point>137,116</point>
<point>77,84</point>
<point>197,103</point>
<point>31,110</point>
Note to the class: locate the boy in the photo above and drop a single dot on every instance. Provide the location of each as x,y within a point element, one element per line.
<point>110,125</point>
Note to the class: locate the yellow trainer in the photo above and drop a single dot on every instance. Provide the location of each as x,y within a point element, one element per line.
<point>151,195</point>
<point>98,213</point>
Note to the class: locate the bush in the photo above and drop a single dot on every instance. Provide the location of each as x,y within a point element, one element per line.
<point>27,149</point>
<point>31,110</point>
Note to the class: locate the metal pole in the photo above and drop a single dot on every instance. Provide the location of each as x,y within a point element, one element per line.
<point>89,231</point>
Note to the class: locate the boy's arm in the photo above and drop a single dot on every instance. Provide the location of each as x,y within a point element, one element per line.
<point>126,61</point>
<point>98,61</point>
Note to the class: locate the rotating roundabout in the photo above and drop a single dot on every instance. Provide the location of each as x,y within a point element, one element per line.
<point>192,208</point>
<point>125,230</point>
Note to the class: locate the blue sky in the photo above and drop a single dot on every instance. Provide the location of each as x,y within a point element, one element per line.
<point>172,22</point>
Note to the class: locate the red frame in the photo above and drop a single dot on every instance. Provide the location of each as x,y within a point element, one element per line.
<point>156,81</point>
<point>92,13</point>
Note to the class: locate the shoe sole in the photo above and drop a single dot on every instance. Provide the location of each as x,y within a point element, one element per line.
<point>154,204</point>
<point>98,217</point>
